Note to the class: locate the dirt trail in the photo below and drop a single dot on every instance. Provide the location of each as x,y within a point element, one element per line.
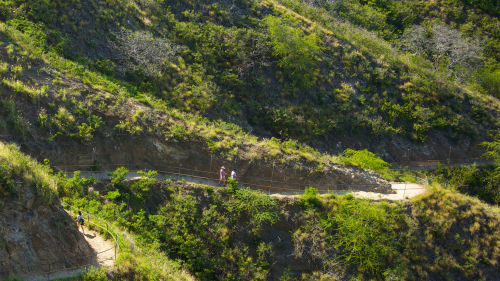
<point>98,245</point>
<point>400,190</point>
<point>104,248</point>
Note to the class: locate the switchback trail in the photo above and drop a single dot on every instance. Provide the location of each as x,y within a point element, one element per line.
<point>98,245</point>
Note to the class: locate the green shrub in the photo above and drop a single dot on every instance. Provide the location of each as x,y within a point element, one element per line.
<point>43,119</point>
<point>86,131</point>
<point>364,160</point>
<point>113,195</point>
<point>259,207</point>
<point>118,176</point>
<point>140,188</point>
<point>366,233</point>
<point>310,198</point>
<point>296,50</point>
<point>232,186</point>
<point>96,274</point>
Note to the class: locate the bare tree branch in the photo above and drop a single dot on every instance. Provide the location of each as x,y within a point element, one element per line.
<point>442,45</point>
<point>141,50</point>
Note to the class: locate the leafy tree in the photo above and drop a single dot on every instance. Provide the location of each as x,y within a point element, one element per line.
<point>140,188</point>
<point>297,50</point>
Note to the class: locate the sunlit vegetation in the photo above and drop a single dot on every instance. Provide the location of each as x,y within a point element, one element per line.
<point>219,232</point>
<point>18,169</point>
<point>273,80</point>
<point>327,80</point>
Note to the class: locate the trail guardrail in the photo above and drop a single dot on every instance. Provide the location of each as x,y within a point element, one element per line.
<point>211,178</point>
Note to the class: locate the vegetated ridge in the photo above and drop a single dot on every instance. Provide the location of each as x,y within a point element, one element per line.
<point>256,84</point>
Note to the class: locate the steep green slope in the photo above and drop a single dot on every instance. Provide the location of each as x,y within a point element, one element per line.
<point>15,166</point>
<point>60,111</point>
<point>328,82</point>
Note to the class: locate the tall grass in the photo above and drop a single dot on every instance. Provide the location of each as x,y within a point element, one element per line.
<point>19,166</point>
<point>145,261</point>
<point>19,88</point>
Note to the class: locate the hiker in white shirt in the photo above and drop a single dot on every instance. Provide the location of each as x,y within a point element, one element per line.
<point>233,175</point>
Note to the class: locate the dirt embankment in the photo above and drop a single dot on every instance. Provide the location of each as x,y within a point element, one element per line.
<point>34,235</point>
<point>194,158</point>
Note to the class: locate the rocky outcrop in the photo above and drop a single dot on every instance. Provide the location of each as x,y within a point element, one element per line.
<point>36,238</point>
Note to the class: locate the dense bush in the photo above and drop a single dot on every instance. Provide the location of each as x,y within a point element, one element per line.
<point>481,182</point>
<point>368,235</point>
<point>310,198</point>
<point>363,159</point>
<point>184,227</point>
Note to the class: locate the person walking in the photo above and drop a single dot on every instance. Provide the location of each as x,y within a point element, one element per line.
<point>222,176</point>
<point>233,175</point>
<point>80,221</point>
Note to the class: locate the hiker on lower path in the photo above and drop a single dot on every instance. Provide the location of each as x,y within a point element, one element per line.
<point>222,176</point>
<point>80,221</point>
<point>233,175</point>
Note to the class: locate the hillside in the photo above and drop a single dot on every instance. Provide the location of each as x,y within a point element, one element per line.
<point>240,234</point>
<point>292,72</point>
<point>58,111</point>
<point>312,95</point>
<point>34,229</point>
